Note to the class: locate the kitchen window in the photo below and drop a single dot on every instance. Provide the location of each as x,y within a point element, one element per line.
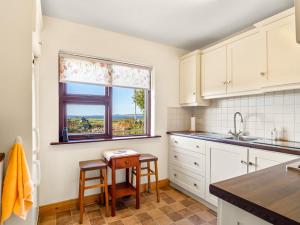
<point>102,98</point>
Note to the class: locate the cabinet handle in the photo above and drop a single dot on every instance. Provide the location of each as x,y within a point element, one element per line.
<point>194,93</point>
<point>229,82</point>
<point>244,162</point>
<point>195,185</point>
<point>262,74</point>
<point>197,146</point>
<point>126,162</point>
<point>196,164</point>
<point>175,156</point>
<point>175,175</point>
<point>176,142</point>
<point>252,164</point>
<point>224,82</point>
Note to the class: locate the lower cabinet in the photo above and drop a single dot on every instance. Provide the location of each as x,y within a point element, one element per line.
<point>223,161</point>
<point>261,159</point>
<point>229,214</point>
<point>195,164</point>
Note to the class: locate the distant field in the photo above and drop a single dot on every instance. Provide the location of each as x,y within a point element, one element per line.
<point>121,126</point>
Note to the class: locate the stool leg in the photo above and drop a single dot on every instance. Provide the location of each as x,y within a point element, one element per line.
<point>156,181</point>
<point>149,172</point>
<point>137,185</point>
<point>82,183</point>
<point>113,188</point>
<point>101,189</point>
<point>79,191</point>
<point>106,192</point>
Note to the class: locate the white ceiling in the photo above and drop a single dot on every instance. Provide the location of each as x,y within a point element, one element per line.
<point>187,24</point>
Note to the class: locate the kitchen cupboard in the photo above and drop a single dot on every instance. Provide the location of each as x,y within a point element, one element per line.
<point>187,164</point>
<point>214,72</point>
<point>247,63</point>
<point>229,214</point>
<point>189,80</point>
<point>194,164</point>
<point>261,159</point>
<point>223,161</point>
<point>283,52</point>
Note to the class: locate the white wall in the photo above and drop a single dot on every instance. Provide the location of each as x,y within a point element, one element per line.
<point>60,163</point>
<point>15,74</point>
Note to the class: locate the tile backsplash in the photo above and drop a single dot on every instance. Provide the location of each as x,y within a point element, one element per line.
<point>261,113</point>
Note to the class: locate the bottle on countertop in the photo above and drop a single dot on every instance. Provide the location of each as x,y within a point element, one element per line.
<point>274,135</point>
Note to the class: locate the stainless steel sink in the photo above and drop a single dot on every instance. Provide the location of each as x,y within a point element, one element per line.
<point>242,138</point>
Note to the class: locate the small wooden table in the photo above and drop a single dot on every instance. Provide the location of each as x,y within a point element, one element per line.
<point>124,189</point>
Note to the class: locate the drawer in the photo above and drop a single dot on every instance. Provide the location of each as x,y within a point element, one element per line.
<point>194,162</point>
<point>189,144</point>
<point>127,162</point>
<point>193,184</point>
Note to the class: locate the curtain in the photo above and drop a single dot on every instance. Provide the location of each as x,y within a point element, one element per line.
<point>95,71</point>
<point>84,71</point>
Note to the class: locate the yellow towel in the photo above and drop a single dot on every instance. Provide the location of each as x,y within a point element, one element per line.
<point>17,187</point>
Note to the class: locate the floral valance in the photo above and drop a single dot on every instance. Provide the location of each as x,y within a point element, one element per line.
<point>103,72</point>
<point>79,70</point>
<point>127,76</point>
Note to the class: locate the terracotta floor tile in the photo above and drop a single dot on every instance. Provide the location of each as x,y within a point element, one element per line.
<point>175,208</point>
<point>196,220</point>
<point>175,216</point>
<point>164,220</point>
<point>143,217</point>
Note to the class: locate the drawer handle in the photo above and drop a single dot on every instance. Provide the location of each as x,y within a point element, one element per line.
<point>126,162</point>
<point>176,142</point>
<point>195,185</point>
<point>197,146</point>
<point>175,156</point>
<point>244,162</point>
<point>196,164</point>
<point>252,164</point>
<point>175,175</point>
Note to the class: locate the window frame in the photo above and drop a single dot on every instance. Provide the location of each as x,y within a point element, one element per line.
<point>105,100</point>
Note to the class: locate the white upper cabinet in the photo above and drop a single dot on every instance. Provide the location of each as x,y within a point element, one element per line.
<point>214,72</point>
<point>283,52</point>
<point>189,80</point>
<point>247,63</point>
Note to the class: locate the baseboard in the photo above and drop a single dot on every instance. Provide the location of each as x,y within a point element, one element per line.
<point>53,208</point>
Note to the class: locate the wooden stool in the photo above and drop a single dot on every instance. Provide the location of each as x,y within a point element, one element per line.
<point>148,158</point>
<point>90,166</point>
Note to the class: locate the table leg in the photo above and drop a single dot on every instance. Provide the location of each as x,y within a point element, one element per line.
<point>127,175</point>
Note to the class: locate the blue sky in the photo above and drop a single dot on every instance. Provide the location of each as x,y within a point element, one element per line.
<point>122,101</point>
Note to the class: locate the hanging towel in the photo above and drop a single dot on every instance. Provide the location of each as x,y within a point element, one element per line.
<point>17,186</point>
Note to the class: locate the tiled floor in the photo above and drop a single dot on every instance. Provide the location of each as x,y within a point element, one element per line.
<point>174,208</point>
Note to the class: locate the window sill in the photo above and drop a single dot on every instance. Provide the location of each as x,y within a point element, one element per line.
<point>104,139</point>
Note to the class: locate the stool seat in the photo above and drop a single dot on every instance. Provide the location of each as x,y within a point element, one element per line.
<point>92,164</point>
<point>147,158</point>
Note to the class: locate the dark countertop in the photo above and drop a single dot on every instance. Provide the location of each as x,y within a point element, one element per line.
<point>272,194</point>
<point>250,144</point>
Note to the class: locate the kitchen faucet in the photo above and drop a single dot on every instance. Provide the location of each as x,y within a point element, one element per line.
<point>235,133</point>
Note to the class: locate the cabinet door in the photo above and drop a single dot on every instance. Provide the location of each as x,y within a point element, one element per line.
<point>188,80</point>
<point>283,53</point>
<point>261,159</point>
<point>247,63</point>
<point>223,162</point>
<point>214,74</point>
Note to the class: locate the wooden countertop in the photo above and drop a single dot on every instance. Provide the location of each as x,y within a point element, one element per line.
<point>272,194</point>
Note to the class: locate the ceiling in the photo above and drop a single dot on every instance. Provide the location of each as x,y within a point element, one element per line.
<point>187,24</point>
